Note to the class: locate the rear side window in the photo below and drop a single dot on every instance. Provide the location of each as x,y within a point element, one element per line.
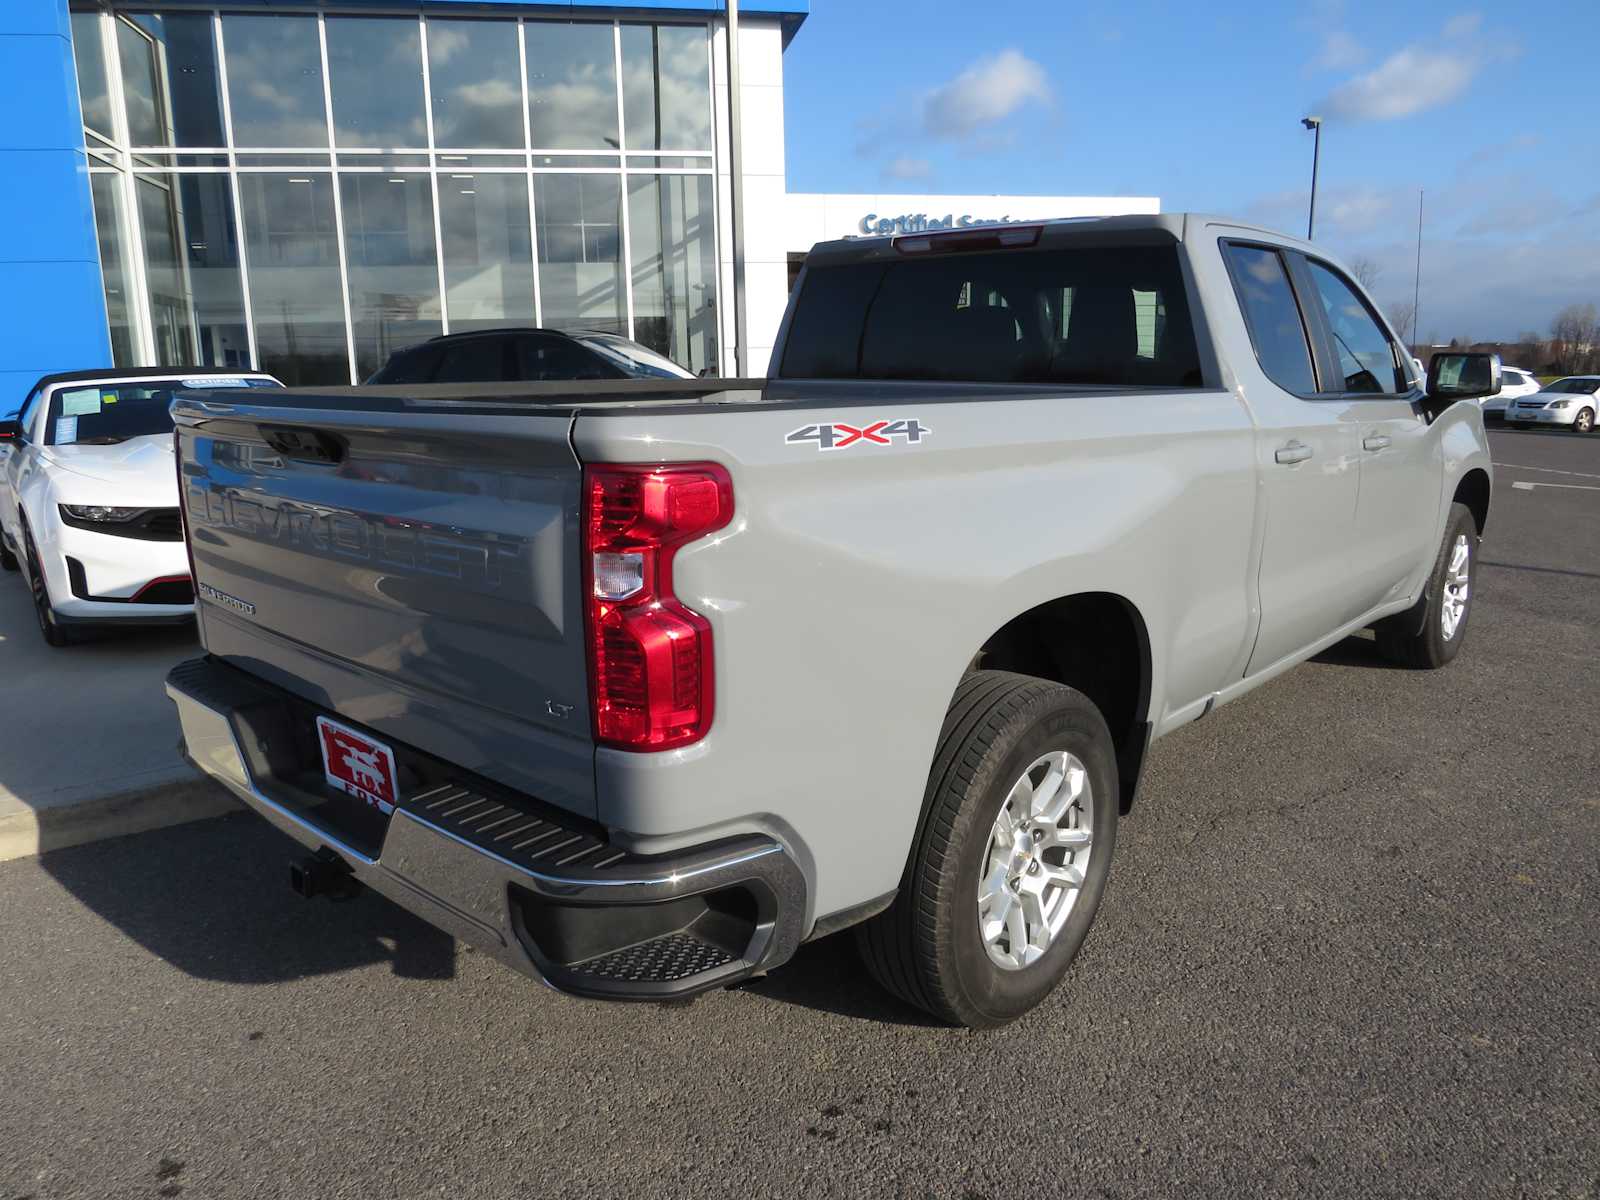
<point>1089,315</point>
<point>1276,329</point>
<point>549,359</point>
<point>1366,356</point>
<point>415,365</point>
<point>475,360</point>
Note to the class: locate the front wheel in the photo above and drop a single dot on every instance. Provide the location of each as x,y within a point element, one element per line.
<point>1430,634</point>
<point>1008,868</point>
<point>50,628</point>
<point>1584,421</point>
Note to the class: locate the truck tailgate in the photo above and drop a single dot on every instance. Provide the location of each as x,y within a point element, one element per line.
<point>414,570</point>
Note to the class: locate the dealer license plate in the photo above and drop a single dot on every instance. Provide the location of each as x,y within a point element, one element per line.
<point>357,765</point>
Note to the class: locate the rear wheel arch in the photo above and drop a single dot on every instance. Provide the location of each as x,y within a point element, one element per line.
<point>1097,643</point>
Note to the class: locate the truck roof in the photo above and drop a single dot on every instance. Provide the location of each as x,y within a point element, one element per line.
<point>1133,228</point>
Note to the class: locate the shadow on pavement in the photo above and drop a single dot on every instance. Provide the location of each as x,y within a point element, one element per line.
<point>212,898</point>
<point>1358,650</point>
<point>829,976</point>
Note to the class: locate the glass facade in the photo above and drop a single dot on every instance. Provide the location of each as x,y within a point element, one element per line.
<point>309,192</point>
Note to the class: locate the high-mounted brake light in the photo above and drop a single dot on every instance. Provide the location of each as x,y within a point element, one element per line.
<point>1005,237</point>
<point>650,668</point>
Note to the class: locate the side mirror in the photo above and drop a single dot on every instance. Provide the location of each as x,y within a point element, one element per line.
<point>1453,377</point>
<point>10,431</point>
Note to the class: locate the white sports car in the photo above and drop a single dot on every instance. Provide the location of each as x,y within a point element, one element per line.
<point>89,499</point>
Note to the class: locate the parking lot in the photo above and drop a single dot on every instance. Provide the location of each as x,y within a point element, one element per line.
<point>1350,947</point>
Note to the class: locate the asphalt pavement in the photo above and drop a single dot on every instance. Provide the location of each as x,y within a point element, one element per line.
<point>1350,947</point>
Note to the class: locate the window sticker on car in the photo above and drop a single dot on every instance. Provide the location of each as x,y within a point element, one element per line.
<point>66,430</point>
<point>838,435</point>
<point>80,402</point>
<point>215,381</point>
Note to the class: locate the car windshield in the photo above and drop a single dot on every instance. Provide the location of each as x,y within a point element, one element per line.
<point>1575,386</point>
<point>104,414</point>
<point>633,358</point>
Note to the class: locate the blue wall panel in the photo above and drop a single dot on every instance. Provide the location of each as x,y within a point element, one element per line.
<point>52,309</point>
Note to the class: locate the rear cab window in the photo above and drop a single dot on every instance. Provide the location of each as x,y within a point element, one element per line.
<point>1093,315</point>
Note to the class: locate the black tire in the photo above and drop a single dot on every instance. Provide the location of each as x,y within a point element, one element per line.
<point>1416,638</point>
<point>8,560</point>
<point>927,948</point>
<point>1584,421</point>
<point>50,627</point>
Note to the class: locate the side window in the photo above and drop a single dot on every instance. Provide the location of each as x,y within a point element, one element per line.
<point>25,416</point>
<point>475,360</point>
<point>1279,334</point>
<point>1366,356</point>
<point>546,359</point>
<point>415,365</point>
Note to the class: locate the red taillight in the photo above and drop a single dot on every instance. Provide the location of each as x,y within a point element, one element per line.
<point>650,669</point>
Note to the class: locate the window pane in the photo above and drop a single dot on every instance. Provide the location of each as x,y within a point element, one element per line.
<point>275,80</point>
<point>572,86</point>
<point>192,269</point>
<point>106,190</point>
<point>666,86</point>
<point>1273,317</point>
<point>294,276</point>
<point>389,253</point>
<point>473,75</point>
<point>488,262</point>
<point>1366,358</point>
<point>94,94</point>
<point>375,71</point>
<point>1003,318</point>
<point>476,360</point>
<point>580,260</point>
<point>547,359</point>
<point>169,72</point>
<point>672,234</point>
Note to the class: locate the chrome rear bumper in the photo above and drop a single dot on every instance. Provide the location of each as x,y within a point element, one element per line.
<point>637,928</point>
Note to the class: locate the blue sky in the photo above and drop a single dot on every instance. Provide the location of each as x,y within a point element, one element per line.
<point>1494,111</point>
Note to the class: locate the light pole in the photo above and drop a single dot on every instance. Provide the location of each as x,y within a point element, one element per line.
<point>1315,125</point>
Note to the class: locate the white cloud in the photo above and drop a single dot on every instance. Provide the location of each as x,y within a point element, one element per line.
<point>1404,84</point>
<point>1340,52</point>
<point>988,91</point>
<point>907,167</point>
<point>1463,24</point>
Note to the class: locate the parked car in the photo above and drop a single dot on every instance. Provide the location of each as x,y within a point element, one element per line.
<point>89,500</point>
<point>640,685</point>
<point>534,355</point>
<point>1515,383</point>
<point>1571,402</point>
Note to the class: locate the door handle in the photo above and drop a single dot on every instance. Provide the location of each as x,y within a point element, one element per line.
<point>1294,452</point>
<point>1377,441</point>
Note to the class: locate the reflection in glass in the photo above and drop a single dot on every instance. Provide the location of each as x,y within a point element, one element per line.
<point>294,276</point>
<point>672,236</point>
<point>169,77</point>
<point>488,265</point>
<point>375,71</point>
<point>389,256</point>
<point>105,189</point>
<point>94,94</point>
<point>666,87</point>
<point>580,259</point>
<point>572,85</point>
<point>275,80</point>
<point>472,74</point>
<point>192,270</point>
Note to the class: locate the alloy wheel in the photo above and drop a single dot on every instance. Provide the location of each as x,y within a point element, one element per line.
<point>1457,587</point>
<point>1036,860</point>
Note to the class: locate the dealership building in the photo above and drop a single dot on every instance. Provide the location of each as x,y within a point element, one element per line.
<point>304,187</point>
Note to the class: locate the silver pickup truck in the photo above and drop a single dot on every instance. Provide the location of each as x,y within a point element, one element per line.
<point>638,686</point>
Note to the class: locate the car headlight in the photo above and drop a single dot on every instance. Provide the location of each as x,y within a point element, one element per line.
<point>100,514</point>
<point>1561,404</point>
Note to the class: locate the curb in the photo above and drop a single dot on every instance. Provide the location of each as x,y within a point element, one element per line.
<point>34,832</point>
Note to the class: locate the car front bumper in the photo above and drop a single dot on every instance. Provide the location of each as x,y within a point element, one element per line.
<point>1541,416</point>
<point>575,911</point>
<point>101,577</point>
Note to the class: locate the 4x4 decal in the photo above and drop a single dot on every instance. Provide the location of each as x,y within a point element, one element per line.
<point>836,435</point>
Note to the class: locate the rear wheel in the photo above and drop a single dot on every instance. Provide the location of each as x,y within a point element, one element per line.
<point>1430,634</point>
<point>50,627</point>
<point>8,560</point>
<point>1011,861</point>
<point>1584,421</point>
